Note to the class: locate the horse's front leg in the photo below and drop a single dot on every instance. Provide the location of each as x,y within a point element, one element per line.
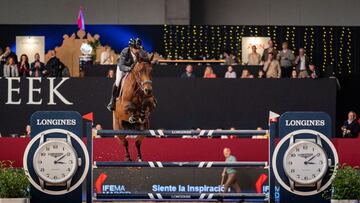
<point>130,108</point>
<point>138,142</point>
<point>122,138</point>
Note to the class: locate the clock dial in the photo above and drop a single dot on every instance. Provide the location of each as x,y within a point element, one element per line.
<point>55,161</point>
<point>305,162</point>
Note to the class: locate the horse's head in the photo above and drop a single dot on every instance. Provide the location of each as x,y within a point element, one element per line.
<point>142,72</point>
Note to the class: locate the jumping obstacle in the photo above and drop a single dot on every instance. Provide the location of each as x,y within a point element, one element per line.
<point>202,164</point>
<point>257,197</point>
<point>180,133</point>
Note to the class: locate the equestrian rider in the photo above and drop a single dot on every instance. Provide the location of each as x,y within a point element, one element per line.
<point>126,63</point>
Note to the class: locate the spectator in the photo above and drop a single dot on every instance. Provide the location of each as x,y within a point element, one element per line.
<point>37,67</point>
<point>232,136</point>
<point>245,73</point>
<point>54,66</point>
<point>2,57</point>
<point>106,58</point>
<point>261,74</point>
<point>24,67</point>
<point>209,73</point>
<point>272,67</point>
<point>98,126</point>
<point>294,74</point>
<point>230,73</point>
<point>313,71</point>
<point>254,58</point>
<point>286,58</point>
<point>10,54</point>
<point>110,73</point>
<point>260,136</point>
<point>189,72</point>
<point>302,64</point>
<point>229,59</point>
<point>270,49</point>
<point>27,131</point>
<point>351,126</point>
<point>10,68</point>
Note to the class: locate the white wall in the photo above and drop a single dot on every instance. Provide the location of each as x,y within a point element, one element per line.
<point>276,12</point>
<point>95,11</point>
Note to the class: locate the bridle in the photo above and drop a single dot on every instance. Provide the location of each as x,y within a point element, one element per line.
<point>140,83</point>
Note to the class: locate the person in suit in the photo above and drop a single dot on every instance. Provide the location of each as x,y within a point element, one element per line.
<point>126,63</point>
<point>272,67</point>
<point>54,66</point>
<point>271,49</point>
<point>37,67</point>
<point>302,63</point>
<point>351,126</point>
<point>286,59</point>
<point>254,58</point>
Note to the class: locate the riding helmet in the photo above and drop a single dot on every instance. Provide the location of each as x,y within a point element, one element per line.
<point>135,43</point>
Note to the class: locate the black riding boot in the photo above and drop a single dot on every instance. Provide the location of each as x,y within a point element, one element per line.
<point>114,95</point>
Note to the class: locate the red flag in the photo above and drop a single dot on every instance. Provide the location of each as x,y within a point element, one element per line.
<point>260,182</point>
<point>80,20</point>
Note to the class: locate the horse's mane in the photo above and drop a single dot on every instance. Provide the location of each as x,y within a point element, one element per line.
<point>142,56</point>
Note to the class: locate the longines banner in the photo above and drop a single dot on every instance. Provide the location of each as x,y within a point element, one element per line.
<point>182,104</point>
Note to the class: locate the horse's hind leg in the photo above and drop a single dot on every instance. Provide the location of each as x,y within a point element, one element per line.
<point>122,138</point>
<point>138,142</point>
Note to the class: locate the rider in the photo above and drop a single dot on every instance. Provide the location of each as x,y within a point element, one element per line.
<point>126,63</point>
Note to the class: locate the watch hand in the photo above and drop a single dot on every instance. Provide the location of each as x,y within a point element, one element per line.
<point>307,162</point>
<point>311,158</point>
<point>60,158</point>
<point>60,162</point>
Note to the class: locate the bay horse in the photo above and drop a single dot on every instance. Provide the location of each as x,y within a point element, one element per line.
<point>135,103</point>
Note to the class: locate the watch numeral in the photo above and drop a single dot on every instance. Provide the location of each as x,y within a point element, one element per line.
<point>48,175</point>
<point>43,154</point>
<point>68,154</point>
<point>47,148</point>
<point>297,149</point>
<point>293,155</point>
<point>70,161</point>
<point>318,169</point>
<point>321,162</point>
<point>290,162</point>
<point>318,154</point>
<point>55,177</point>
<point>313,175</point>
<point>42,169</point>
<point>40,162</point>
<point>68,169</point>
<point>63,175</point>
<point>292,171</point>
<point>298,176</point>
<point>305,178</point>
<point>305,147</point>
<point>63,148</point>
<point>313,149</point>
<point>55,146</point>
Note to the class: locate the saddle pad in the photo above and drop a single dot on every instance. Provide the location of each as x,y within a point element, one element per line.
<point>122,84</point>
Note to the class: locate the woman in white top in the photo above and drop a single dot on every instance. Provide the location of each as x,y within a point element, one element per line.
<point>230,72</point>
<point>10,68</point>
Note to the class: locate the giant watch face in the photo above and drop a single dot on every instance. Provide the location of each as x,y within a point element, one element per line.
<point>305,162</point>
<point>55,161</point>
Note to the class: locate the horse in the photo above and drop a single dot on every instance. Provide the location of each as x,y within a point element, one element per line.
<point>135,103</point>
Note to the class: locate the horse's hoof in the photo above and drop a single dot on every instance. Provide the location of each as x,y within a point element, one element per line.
<point>133,119</point>
<point>139,159</point>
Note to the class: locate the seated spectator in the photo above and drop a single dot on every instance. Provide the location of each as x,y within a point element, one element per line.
<point>230,73</point>
<point>106,58</point>
<point>302,64</point>
<point>2,57</point>
<point>286,59</point>
<point>189,72</point>
<point>54,66</point>
<point>37,67</point>
<point>261,74</point>
<point>254,58</point>
<point>313,71</point>
<point>294,74</point>
<point>110,73</point>
<point>209,73</point>
<point>10,54</point>
<point>259,136</point>
<point>98,126</point>
<point>351,126</point>
<point>272,67</point>
<point>10,68</point>
<point>23,66</point>
<point>27,131</point>
<point>245,73</point>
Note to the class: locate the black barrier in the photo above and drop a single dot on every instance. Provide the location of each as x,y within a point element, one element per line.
<point>189,104</point>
